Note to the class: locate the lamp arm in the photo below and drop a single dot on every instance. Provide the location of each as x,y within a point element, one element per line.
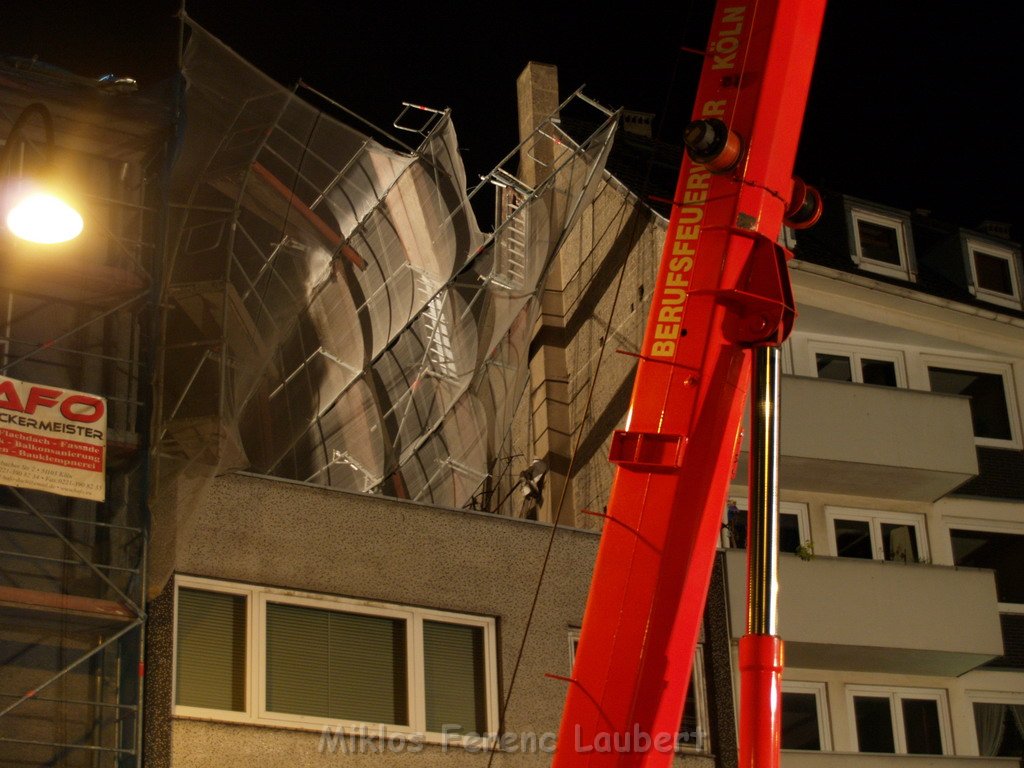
<point>36,108</point>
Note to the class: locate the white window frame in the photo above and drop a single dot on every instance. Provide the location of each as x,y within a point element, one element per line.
<point>974,696</point>
<point>875,518</point>
<point>984,526</point>
<point>998,251</point>
<point>820,691</point>
<point>1003,370</point>
<point>256,713</point>
<point>897,223</point>
<point>574,639</point>
<point>702,744</point>
<point>786,356</point>
<point>857,354</point>
<point>224,588</point>
<point>895,696</point>
<point>413,655</point>
<point>785,508</point>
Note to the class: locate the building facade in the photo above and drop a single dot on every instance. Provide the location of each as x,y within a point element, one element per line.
<point>901,473</point>
<point>410,579</point>
<point>76,316</point>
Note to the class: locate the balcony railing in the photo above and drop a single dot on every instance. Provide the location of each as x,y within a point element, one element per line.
<point>868,615</point>
<point>857,760</point>
<point>873,441</point>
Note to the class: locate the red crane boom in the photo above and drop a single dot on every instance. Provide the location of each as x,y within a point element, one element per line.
<point>722,291</point>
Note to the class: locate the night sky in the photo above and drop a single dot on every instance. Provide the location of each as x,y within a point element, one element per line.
<point>910,105</point>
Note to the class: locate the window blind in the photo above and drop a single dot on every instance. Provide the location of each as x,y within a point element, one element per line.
<point>453,657</point>
<point>211,650</point>
<point>338,665</point>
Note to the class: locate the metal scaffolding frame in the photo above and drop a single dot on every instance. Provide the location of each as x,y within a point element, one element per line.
<point>78,316</point>
<point>333,313</point>
<point>302,300</point>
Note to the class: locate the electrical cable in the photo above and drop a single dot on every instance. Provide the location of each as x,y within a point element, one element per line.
<point>572,459</point>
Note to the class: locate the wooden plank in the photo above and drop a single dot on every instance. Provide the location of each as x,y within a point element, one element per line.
<point>55,601</point>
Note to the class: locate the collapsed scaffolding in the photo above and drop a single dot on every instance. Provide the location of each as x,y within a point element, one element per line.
<point>333,312</point>
<point>321,308</point>
<point>72,571</point>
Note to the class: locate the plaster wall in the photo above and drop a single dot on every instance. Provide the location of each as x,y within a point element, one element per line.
<point>610,263</point>
<point>288,535</point>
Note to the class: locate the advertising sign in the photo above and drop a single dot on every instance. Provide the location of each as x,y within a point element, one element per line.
<point>52,439</point>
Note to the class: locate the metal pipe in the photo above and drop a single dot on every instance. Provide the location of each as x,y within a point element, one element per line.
<point>70,701</point>
<point>141,690</point>
<point>90,747</point>
<point>47,345</point>
<point>760,650</point>
<point>763,518</point>
<point>79,563</point>
<point>63,519</point>
<point>129,603</point>
<point>88,655</point>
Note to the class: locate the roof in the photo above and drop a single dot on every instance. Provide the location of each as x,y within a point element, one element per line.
<point>105,117</point>
<point>937,249</point>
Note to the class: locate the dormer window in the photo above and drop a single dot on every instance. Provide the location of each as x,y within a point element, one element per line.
<point>879,241</point>
<point>994,272</point>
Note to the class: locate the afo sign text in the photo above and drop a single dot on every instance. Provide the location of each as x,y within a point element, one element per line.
<point>52,439</point>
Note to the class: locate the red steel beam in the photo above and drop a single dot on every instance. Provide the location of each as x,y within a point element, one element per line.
<point>722,288</point>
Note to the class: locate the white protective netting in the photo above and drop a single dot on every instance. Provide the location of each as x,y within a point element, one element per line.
<point>333,313</point>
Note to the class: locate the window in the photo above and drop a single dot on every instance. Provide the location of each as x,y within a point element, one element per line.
<point>859,365</point>
<point>793,529</point>
<point>260,655</point>
<point>988,385</point>
<point>994,272</point>
<point>211,635</point>
<point>693,730</point>
<point>805,717</point>
<point>1000,728</point>
<point>847,368</point>
<point>877,535</point>
<point>905,721</point>
<point>1003,553</point>
<point>880,243</point>
<point>336,665</point>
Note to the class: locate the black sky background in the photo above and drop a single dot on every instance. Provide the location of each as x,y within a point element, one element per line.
<point>913,104</point>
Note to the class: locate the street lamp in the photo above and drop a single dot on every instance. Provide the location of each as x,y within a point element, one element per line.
<point>31,210</point>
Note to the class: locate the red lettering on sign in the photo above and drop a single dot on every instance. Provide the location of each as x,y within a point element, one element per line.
<point>41,396</point>
<point>9,395</point>
<point>77,407</point>
<point>94,404</point>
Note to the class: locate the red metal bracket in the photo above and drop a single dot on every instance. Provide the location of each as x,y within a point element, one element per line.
<point>762,302</point>
<point>646,451</point>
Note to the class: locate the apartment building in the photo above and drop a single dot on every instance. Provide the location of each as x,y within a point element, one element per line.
<point>902,466</point>
<point>902,472</point>
<point>352,554</point>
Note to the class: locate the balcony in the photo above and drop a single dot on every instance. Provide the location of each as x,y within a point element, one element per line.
<point>875,616</point>
<point>857,760</point>
<point>872,441</point>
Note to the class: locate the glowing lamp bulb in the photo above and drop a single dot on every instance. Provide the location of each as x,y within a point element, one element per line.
<point>43,218</point>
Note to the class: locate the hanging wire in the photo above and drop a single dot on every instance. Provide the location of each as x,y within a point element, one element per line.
<point>576,446</point>
<point>555,525</point>
<point>587,407</point>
